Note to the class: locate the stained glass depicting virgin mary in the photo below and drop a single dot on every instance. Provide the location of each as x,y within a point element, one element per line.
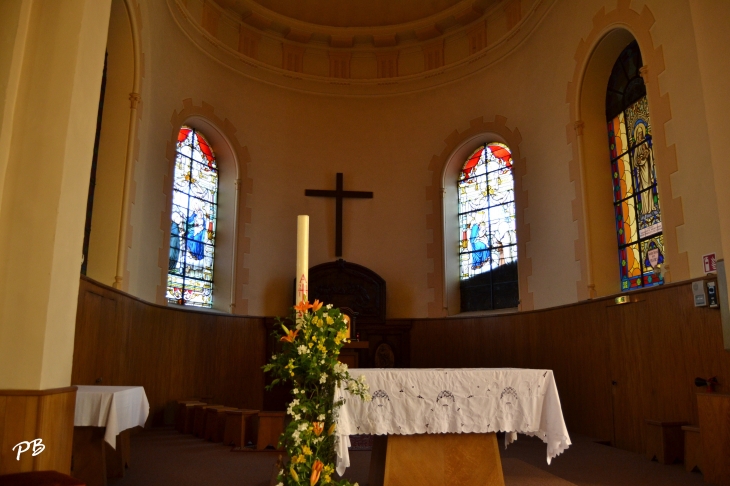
<point>193,220</point>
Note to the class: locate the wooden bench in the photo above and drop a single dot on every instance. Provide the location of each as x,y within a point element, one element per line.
<point>241,428</point>
<point>199,419</point>
<point>271,426</point>
<point>215,423</point>
<point>664,441</point>
<point>692,448</point>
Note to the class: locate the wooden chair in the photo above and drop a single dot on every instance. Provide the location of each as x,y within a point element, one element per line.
<point>241,428</point>
<point>215,423</point>
<point>199,420</point>
<point>271,426</point>
<point>665,441</point>
<point>692,448</point>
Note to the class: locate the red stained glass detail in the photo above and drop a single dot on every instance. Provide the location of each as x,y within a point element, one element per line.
<point>183,135</point>
<point>471,163</point>
<point>205,148</point>
<point>612,139</point>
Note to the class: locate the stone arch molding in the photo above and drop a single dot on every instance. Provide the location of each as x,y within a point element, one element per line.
<point>232,244</point>
<point>441,222</point>
<point>605,26</point>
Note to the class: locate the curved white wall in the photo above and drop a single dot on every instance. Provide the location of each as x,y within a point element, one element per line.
<point>299,141</point>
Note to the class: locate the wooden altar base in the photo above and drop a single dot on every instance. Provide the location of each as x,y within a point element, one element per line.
<point>436,460</point>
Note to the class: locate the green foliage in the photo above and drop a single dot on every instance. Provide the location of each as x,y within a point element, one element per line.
<point>308,360</point>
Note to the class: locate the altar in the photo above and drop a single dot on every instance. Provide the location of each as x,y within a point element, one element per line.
<point>477,402</point>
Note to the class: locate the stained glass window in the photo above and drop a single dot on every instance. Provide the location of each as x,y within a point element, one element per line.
<point>487,234</point>
<point>193,222</point>
<point>635,195</point>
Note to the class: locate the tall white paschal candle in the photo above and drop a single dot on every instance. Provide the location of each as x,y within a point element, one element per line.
<point>302,258</point>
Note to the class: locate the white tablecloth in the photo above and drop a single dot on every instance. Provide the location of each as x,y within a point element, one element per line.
<point>117,408</point>
<point>437,401</point>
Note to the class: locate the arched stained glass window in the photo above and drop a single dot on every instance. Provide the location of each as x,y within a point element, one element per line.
<point>635,195</point>
<point>487,230</point>
<point>193,222</point>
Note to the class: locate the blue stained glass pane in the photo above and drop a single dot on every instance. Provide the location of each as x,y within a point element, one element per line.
<point>193,222</point>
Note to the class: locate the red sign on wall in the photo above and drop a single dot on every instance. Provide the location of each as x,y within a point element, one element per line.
<point>710,263</point>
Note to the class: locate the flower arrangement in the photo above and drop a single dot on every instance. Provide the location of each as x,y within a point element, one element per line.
<point>308,360</point>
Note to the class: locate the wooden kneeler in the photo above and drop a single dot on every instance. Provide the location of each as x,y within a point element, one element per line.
<point>188,416</point>
<point>665,441</point>
<point>692,448</point>
<point>215,423</point>
<point>182,412</point>
<point>241,428</point>
<point>271,426</point>
<point>200,416</point>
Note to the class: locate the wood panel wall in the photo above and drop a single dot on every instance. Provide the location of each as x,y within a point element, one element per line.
<point>615,365</point>
<point>27,415</point>
<point>173,353</point>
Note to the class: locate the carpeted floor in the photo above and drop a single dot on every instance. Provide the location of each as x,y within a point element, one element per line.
<point>164,457</point>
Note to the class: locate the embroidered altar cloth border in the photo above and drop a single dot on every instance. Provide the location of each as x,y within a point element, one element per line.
<point>439,401</point>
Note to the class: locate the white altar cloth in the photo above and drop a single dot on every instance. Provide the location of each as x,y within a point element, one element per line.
<point>117,408</point>
<point>438,401</point>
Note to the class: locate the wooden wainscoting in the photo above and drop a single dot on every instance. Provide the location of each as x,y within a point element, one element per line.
<point>173,353</point>
<point>615,365</point>
<point>27,415</point>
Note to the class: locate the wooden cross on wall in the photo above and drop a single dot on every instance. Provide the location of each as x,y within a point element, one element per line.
<point>339,194</point>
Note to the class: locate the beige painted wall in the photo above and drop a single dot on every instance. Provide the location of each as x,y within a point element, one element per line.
<point>709,19</point>
<point>384,144</point>
<point>59,49</point>
<point>688,130</point>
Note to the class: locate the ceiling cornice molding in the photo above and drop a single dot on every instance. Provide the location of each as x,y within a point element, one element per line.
<point>457,11</point>
<point>273,74</point>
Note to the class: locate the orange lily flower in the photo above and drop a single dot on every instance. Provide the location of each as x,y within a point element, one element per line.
<point>316,471</point>
<point>318,428</point>
<point>290,335</point>
<point>331,429</point>
<point>302,307</point>
<point>317,305</point>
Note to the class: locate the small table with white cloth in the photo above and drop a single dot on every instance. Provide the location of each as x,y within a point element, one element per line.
<point>426,409</point>
<point>102,415</point>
